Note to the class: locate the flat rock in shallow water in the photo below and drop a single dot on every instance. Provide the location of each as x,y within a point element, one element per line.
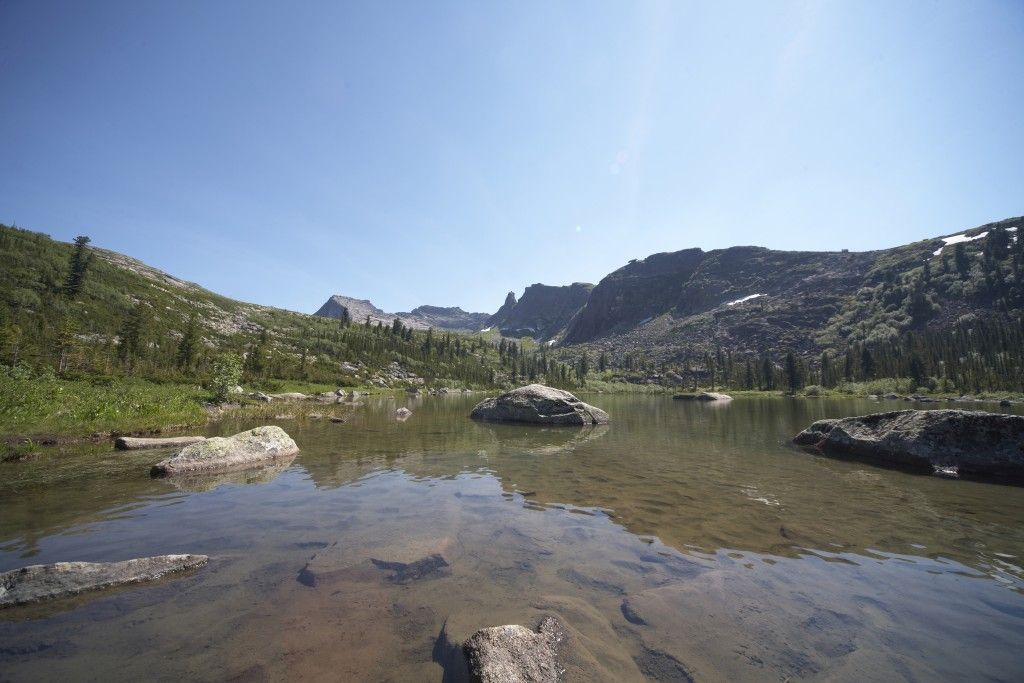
<point>131,443</point>
<point>408,560</point>
<point>515,654</point>
<point>539,404</point>
<point>703,396</point>
<point>971,442</point>
<point>252,448</point>
<point>45,581</point>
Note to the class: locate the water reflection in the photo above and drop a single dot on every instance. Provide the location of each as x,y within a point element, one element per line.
<point>677,541</point>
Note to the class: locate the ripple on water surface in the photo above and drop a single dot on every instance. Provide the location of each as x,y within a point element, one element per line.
<point>681,542</point>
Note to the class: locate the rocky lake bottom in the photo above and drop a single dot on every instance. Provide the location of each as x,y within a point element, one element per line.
<point>683,541</point>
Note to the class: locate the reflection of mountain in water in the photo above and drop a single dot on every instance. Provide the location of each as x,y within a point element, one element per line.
<point>697,479</point>
<point>693,477</point>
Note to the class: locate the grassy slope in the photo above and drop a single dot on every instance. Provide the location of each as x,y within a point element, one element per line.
<point>99,391</point>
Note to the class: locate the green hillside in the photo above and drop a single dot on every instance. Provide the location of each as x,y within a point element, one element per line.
<point>134,326</point>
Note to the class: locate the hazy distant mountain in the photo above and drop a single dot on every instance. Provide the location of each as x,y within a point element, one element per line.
<point>421,317</point>
<point>446,318</point>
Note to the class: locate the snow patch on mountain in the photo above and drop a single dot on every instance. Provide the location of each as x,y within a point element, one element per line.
<point>957,239</point>
<point>746,298</point>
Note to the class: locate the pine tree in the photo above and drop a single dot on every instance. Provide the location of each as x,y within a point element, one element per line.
<point>81,258</point>
<point>793,375</point>
<point>131,336</point>
<point>768,373</point>
<point>867,364</point>
<point>67,343</point>
<point>188,344</point>
<point>963,264</point>
<point>256,360</point>
<point>826,370</point>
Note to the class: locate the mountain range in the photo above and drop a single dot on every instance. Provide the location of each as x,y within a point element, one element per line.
<point>751,298</point>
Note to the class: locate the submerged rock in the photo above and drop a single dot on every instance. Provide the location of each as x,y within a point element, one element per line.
<point>703,396</point>
<point>217,454</point>
<point>403,414</point>
<point>964,441</point>
<point>404,572</point>
<point>515,654</point>
<point>130,443</point>
<point>45,581</point>
<point>536,403</point>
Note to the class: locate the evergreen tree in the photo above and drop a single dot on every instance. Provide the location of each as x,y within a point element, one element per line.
<point>67,343</point>
<point>131,336</point>
<point>81,258</point>
<point>793,375</point>
<point>768,373</point>
<point>188,345</point>
<point>867,364</point>
<point>963,264</point>
<point>826,370</point>
<point>256,360</point>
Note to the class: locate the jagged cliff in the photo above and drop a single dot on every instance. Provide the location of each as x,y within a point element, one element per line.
<point>543,312</point>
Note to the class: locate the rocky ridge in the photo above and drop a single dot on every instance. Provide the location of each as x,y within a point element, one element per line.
<point>419,318</point>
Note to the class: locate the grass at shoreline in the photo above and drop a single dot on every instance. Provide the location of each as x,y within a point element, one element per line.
<point>79,408</point>
<point>48,407</point>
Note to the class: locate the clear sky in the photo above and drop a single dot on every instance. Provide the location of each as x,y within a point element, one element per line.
<point>446,153</point>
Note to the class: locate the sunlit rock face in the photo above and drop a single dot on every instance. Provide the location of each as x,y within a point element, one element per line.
<point>539,404</point>
<point>252,448</point>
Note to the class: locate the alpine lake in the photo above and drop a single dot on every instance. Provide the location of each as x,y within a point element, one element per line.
<point>684,541</point>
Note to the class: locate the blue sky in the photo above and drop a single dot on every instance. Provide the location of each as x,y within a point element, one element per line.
<point>446,153</point>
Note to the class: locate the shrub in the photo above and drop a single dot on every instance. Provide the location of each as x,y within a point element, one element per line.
<point>227,373</point>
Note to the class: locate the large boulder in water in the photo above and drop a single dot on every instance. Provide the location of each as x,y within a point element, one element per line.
<point>515,654</point>
<point>539,404</point>
<point>252,448</point>
<point>45,581</point>
<point>971,442</point>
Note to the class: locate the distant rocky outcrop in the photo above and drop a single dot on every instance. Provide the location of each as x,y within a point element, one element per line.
<point>47,581</point>
<point>543,312</point>
<point>446,318</point>
<point>944,441</point>
<point>419,318</point>
<point>539,404</point>
<point>252,448</point>
<point>503,312</point>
